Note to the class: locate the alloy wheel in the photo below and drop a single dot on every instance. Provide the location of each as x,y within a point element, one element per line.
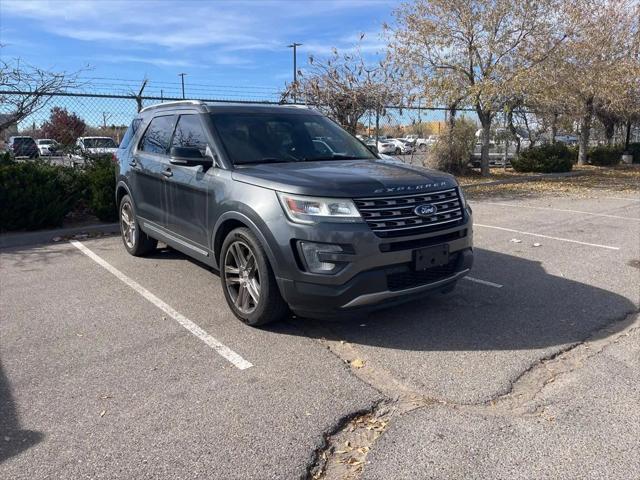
<point>127,225</point>
<point>242,277</point>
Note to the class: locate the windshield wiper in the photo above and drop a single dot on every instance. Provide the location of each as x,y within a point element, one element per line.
<point>266,160</point>
<point>336,156</point>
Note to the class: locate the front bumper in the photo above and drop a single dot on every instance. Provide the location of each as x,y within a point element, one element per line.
<point>380,271</point>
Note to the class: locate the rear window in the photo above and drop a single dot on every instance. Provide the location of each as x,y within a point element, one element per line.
<point>130,133</point>
<point>23,141</point>
<point>99,143</point>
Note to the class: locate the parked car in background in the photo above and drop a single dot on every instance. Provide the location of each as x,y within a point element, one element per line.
<point>22,147</point>
<point>402,146</point>
<point>382,146</point>
<point>421,143</point>
<point>567,139</point>
<point>96,146</point>
<point>47,146</point>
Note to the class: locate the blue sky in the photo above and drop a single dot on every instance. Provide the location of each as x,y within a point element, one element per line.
<point>239,44</point>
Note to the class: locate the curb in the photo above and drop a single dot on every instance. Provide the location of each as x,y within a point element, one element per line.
<point>528,178</point>
<point>23,239</point>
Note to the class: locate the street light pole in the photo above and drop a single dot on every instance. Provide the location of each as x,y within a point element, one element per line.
<point>181,75</point>
<point>295,45</point>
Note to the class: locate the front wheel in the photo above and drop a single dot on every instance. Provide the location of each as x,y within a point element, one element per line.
<point>135,240</point>
<point>398,151</point>
<point>248,282</point>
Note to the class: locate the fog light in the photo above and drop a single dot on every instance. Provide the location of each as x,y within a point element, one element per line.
<point>311,252</point>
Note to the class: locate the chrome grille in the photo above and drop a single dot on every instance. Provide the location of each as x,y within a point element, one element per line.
<point>394,216</point>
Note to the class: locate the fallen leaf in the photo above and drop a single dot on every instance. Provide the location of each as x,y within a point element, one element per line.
<point>537,244</point>
<point>102,413</point>
<point>516,240</point>
<point>357,363</point>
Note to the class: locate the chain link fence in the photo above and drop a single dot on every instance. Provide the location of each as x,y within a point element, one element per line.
<point>109,114</point>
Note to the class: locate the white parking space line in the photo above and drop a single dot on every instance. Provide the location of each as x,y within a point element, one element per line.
<point>220,348</point>
<point>608,247</point>
<point>483,282</point>
<point>562,210</point>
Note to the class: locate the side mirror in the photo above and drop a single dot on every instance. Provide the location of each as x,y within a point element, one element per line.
<point>188,156</point>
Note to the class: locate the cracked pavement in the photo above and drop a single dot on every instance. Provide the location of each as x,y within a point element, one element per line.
<point>538,378</point>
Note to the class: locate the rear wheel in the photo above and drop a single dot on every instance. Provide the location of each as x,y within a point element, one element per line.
<point>398,151</point>
<point>422,147</point>
<point>135,240</point>
<point>248,281</point>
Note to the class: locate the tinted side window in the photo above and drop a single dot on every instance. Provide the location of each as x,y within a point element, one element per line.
<point>131,131</point>
<point>189,133</point>
<point>156,138</point>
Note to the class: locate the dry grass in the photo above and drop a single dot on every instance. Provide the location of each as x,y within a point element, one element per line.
<point>621,180</point>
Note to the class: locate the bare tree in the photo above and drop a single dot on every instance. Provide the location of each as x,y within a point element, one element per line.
<point>473,51</point>
<point>596,71</point>
<point>27,89</point>
<point>346,86</point>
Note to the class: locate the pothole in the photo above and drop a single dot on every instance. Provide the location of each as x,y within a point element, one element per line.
<point>345,451</point>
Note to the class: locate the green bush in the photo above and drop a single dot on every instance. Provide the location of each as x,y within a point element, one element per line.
<point>5,159</point>
<point>453,149</point>
<point>35,195</point>
<point>605,156</point>
<point>102,187</point>
<point>552,158</point>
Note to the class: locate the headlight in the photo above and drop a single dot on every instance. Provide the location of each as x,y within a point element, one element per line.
<point>309,210</point>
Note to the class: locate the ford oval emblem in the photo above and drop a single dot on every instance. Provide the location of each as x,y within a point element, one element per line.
<point>425,210</point>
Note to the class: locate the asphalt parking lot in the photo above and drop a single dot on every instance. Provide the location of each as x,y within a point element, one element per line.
<point>119,367</point>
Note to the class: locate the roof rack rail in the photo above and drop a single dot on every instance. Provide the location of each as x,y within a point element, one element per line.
<point>173,104</point>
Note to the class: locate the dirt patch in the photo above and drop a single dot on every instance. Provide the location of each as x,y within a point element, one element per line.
<point>621,181</point>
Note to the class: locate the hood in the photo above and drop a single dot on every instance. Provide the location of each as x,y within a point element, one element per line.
<point>344,178</point>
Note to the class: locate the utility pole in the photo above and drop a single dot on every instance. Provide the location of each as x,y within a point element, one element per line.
<point>105,118</point>
<point>181,75</point>
<point>295,45</point>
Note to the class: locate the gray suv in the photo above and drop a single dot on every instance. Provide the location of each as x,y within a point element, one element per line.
<point>294,212</point>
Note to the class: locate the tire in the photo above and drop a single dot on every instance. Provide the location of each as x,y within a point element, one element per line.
<point>398,151</point>
<point>248,282</point>
<point>134,239</point>
<point>422,147</point>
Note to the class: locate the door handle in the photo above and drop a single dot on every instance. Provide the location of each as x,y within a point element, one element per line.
<point>167,173</point>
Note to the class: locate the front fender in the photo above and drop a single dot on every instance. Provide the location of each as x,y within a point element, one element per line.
<point>256,225</point>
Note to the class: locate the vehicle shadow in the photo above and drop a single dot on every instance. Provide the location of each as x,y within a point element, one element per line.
<point>13,439</point>
<point>533,310</point>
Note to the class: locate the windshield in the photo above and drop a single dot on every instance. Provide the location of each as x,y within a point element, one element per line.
<point>285,137</point>
<point>99,143</point>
